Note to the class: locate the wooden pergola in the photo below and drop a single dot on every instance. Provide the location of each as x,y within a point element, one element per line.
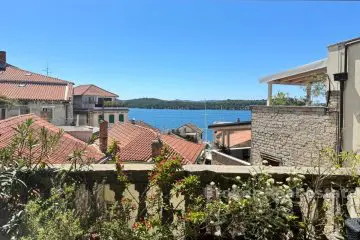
<point>302,75</point>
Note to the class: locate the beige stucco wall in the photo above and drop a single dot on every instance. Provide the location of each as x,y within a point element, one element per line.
<point>335,64</point>
<point>352,101</point>
<point>336,57</point>
<point>95,116</point>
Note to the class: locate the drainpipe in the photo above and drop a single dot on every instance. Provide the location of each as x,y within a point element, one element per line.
<point>341,113</point>
<point>342,77</point>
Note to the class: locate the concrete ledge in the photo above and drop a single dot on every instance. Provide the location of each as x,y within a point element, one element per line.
<point>219,169</point>
<point>293,109</point>
<point>229,160</point>
<point>289,108</point>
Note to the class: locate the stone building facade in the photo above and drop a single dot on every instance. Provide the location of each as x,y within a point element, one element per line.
<point>290,135</point>
<point>55,112</point>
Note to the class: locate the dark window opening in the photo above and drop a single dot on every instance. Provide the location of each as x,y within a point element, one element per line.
<point>111,118</point>
<point>121,117</point>
<point>272,160</point>
<point>3,114</point>
<point>24,110</point>
<point>47,113</point>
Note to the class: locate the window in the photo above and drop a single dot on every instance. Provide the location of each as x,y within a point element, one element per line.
<point>2,113</point>
<point>121,117</point>
<point>272,160</point>
<point>111,118</point>
<point>47,113</point>
<point>100,118</point>
<point>91,100</point>
<point>24,110</point>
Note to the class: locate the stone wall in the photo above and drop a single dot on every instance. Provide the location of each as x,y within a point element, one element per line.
<point>293,135</point>
<point>334,99</point>
<point>59,110</point>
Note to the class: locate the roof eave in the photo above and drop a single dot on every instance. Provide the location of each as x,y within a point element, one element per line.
<point>299,75</point>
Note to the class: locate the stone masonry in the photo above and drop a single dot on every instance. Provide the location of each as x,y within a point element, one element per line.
<point>294,135</point>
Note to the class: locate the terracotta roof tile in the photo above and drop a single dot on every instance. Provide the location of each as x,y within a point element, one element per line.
<point>65,147</point>
<point>189,151</point>
<point>92,90</point>
<point>135,143</point>
<point>16,74</point>
<point>31,91</point>
<point>16,83</point>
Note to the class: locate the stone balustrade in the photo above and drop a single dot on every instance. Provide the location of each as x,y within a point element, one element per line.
<point>105,175</point>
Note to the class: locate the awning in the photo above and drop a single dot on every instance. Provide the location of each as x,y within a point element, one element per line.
<point>300,75</point>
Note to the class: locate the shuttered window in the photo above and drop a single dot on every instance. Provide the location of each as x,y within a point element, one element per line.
<point>121,117</point>
<point>111,118</point>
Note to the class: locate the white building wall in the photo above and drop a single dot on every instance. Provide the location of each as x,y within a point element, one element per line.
<point>94,119</point>
<point>352,100</point>
<point>336,57</point>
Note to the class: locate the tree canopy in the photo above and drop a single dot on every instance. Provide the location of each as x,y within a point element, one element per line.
<point>183,104</point>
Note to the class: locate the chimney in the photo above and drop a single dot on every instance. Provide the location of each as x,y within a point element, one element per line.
<point>156,146</point>
<point>133,121</point>
<point>103,136</point>
<point>2,60</point>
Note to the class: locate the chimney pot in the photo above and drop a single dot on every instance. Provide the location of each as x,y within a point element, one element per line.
<point>2,60</point>
<point>156,146</point>
<point>103,136</point>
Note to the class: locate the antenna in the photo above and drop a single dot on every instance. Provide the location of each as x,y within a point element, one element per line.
<point>47,69</point>
<point>205,119</point>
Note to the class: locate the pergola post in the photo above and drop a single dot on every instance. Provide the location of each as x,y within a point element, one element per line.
<point>228,139</point>
<point>269,94</point>
<point>308,94</point>
<point>223,138</point>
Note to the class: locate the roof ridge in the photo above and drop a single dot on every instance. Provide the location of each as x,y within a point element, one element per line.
<point>87,88</point>
<point>147,128</point>
<point>192,126</point>
<point>177,151</point>
<point>105,90</point>
<point>53,78</point>
<point>93,85</point>
<point>180,138</point>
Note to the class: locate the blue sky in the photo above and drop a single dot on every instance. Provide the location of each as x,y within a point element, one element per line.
<point>173,49</point>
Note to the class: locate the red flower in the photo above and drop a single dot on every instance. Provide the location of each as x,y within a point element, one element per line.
<point>135,225</point>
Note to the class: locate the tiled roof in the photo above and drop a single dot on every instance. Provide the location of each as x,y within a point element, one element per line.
<point>31,91</point>
<point>135,143</point>
<point>65,147</point>
<point>16,83</point>
<point>16,74</point>
<point>193,127</point>
<point>189,151</point>
<point>144,124</point>
<point>92,90</point>
<point>133,140</point>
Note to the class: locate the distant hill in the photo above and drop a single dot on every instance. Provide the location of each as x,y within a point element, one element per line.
<point>185,104</point>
